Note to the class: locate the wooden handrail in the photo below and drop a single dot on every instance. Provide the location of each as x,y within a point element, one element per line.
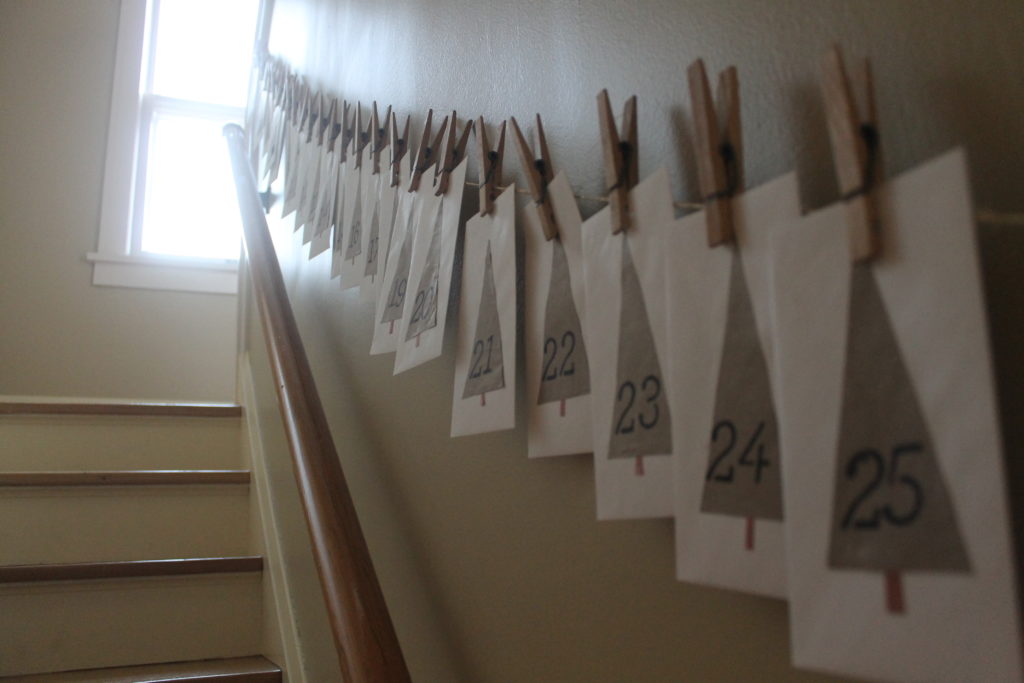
<point>364,636</point>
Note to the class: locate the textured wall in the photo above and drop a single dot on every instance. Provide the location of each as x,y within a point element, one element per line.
<point>62,336</point>
<point>524,584</point>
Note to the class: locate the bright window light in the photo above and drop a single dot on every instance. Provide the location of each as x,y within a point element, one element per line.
<point>199,70</point>
<point>191,208</point>
<point>204,49</point>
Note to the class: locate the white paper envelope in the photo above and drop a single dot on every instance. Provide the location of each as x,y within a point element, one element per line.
<point>631,422</point>
<point>430,273</point>
<point>558,419</point>
<point>484,395</point>
<point>899,561</point>
<point>724,396</point>
<point>395,281</point>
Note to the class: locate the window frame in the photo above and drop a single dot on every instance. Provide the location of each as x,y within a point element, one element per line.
<point>118,260</point>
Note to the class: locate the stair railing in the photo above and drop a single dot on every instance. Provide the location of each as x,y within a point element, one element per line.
<point>364,636</point>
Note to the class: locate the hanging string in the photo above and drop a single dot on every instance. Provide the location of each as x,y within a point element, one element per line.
<point>589,198</point>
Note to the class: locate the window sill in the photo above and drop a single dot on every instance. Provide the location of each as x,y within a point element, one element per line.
<point>167,272</point>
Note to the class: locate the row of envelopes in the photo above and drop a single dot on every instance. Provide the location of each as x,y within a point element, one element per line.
<point>808,395</point>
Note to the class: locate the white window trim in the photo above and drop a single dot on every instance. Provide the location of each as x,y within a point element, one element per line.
<point>117,261</point>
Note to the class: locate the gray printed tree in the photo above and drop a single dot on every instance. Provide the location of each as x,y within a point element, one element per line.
<point>486,367</point>
<point>354,247</point>
<point>424,306</point>
<point>744,477</point>
<point>373,245</point>
<point>891,510</point>
<point>565,371</point>
<point>395,303</point>
<point>641,424</point>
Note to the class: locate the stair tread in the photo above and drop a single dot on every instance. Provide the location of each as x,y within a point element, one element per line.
<point>256,669</point>
<point>178,409</point>
<point>124,477</point>
<point>81,571</point>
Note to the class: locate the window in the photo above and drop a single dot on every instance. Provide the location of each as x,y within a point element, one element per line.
<point>168,216</point>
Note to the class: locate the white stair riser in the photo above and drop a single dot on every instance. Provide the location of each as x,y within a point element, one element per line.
<point>94,524</point>
<point>75,625</point>
<point>75,442</point>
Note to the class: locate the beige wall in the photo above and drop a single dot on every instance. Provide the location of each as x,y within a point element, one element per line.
<point>522,582</point>
<point>61,335</point>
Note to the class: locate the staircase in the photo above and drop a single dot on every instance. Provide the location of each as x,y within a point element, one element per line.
<point>126,545</point>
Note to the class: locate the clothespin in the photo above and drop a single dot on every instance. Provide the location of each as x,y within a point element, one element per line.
<point>719,148</point>
<point>453,154</point>
<point>365,135</point>
<point>335,126</point>
<point>314,115</point>
<point>301,105</point>
<point>539,172</point>
<point>325,122</point>
<point>346,131</point>
<point>427,154</point>
<point>855,151</point>
<point>490,166</point>
<point>277,85</point>
<point>398,148</point>
<point>380,137</point>
<point>293,98</point>
<point>621,167</point>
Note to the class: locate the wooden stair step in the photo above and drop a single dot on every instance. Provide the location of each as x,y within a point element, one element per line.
<point>84,571</point>
<point>124,478</point>
<point>116,409</point>
<point>251,669</point>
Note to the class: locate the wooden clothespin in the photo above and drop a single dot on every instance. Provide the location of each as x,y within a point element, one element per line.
<point>621,166</point>
<point>398,148</point>
<point>539,172</point>
<point>453,153</point>
<point>324,121</point>
<point>380,136</point>
<point>719,148</point>
<point>346,131</point>
<point>314,115</point>
<point>364,135</point>
<point>490,166</point>
<point>292,95</point>
<point>856,154</point>
<point>427,154</point>
<point>301,105</point>
<point>334,127</point>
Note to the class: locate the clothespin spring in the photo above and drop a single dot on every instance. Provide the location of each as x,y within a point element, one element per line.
<point>627,150</point>
<point>869,132</point>
<point>732,174</point>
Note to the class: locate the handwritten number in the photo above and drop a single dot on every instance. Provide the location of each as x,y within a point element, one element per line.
<point>728,426</point>
<point>549,372</point>
<point>566,368</point>
<point>478,354</point>
<point>621,427</point>
<point>652,390</point>
<point>399,296</point>
<point>424,300</point>
<point>754,447</point>
<point>477,368</point>
<point>417,309</point>
<point>651,386</point>
<point>760,462</point>
<point>490,345</point>
<point>568,338</point>
<point>872,519</point>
